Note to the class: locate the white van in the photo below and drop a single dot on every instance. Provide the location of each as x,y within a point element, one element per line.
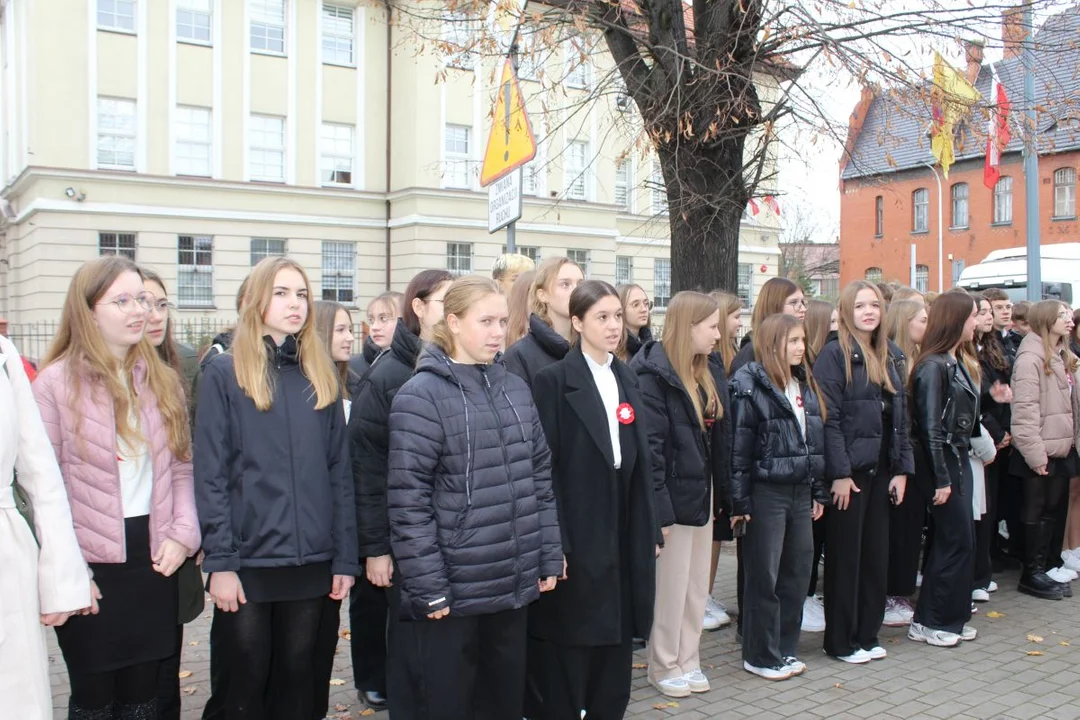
<point>1007,269</point>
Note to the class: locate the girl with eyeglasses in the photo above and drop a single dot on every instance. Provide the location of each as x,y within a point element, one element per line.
<point>638,318</point>
<point>117,419</point>
<point>382,316</point>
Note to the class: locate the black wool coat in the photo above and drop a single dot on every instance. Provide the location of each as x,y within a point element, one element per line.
<point>360,363</point>
<point>634,343</point>
<point>540,347</point>
<point>602,597</point>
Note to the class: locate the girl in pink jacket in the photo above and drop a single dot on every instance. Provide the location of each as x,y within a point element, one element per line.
<point>117,420</point>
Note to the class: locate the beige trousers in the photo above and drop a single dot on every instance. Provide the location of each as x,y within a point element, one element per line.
<point>682,587</point>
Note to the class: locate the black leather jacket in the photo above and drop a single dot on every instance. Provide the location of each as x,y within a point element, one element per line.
<point>945,412</point>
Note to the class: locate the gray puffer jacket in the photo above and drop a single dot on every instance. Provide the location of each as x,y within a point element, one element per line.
<point>473,523</point>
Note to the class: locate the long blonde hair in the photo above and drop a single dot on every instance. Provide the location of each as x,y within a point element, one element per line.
<point>78,342</point>
<point>518,304</point>
<point>727,345</point>
<point>770,350</point>
<point>1041,317</point>
<point>898,328</point>
<point>249,351</point>
<point>463,293</point>
<point>325,319</point>
<point>545,276</point>
<point>684,311</point>
<point>818,319</point>
<point>876,351</point>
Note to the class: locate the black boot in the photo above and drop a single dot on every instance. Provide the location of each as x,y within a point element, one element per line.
<point>80,713</point>
<point>139,711</point>
<point>1034,580</point>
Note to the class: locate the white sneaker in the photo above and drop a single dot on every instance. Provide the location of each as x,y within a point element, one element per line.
<point>968,633</point>
<point>1073,575</point>
<point>898,612</point>
<point>697,681</point>
<point>859,657</point>
<point>1060,575</point>
<point>980,595</point>
<point>710,622</point>
<point>797,666</point>
<point>673,687</point>
<point>769,673</point>
<point>992,587</point>
<point>718,612</point>
<point>877,653</point>
<point>813,615</point>
<point>1070,559</point>
<point>937,638</point>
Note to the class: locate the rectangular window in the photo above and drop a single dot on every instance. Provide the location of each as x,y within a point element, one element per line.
<point>534,173</point>
<point>879,216</point>
<point>576,165</point>
<point>193,141</point>
<point>459,258</point>
<point>339,272</point>
<point>337,39</point>
<point>960,205</point>
<point>530,61</point>
<point>1003,201</point>
<point>116,15</point>
<point>530,251</point>
<point>623,181</point>
<point>194,20</point>
<point>661,282</point>
<point>873,274</point>
<point>624,270</point>
<point>458,36</point>
<point>267,26</point>
<point>266,158</point>
<point>112,243</point>
<point>1065,193</point>
<point>457,162</point>
<point>337,154</point>
<point>581,258</point>
<point>578,72</point>
<point>920,217</point>
<point>116,134</point>
<point>659,191</point>
<point>957,270</point>
<point>262,248</point>
<point>922,278</point>
<point>745,283</point>
<point>195,271</point>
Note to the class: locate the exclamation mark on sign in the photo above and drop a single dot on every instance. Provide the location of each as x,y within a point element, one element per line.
<point>506,104</point>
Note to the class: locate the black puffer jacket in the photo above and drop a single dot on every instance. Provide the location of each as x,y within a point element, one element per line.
<point>690,464</point>
<point>634,343</point>
<point>769,446</point>
<point>222,342</point>
<point>540,347</point>
<point>744,356</point>
<point>945,414</point>
<point>473,521</point>
<point>360,363</point>
<point>272,488</point>
<point>853,425</point>
<point>369,435</point>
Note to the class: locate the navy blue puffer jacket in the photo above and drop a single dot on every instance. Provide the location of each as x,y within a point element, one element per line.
<point>769,446</point>
<point>473,522</point>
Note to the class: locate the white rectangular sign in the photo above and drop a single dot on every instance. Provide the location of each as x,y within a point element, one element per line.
<point>504,201</point>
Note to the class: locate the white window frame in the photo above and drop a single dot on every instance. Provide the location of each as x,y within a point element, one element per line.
<point>195,280</point>
<point>337,148</point>
<point>457,163</point>
<point>922,278</point>
<point>260,249</point>
<point>1065,193</point>
<point>194,140</point>
<point>109,131</point>
<point>339,272</point>
<point>661,283</point>
<point>744,283</point>
<point>879,216</point>
<point>260,147</point>
<point>576,170</point>
<point>114,20</point>
<point>582,258</point>
<point>263,15</point>
<point>578,70</point>
<point>920,211</point>
<point>658,190</point>
<point>960,194</point>
<point>338,46</point>
<point>188,12</point>
<point>624,270</point>
<point>1003,197</point>
<point>457,263</point>
<point>118,243</point>
<point>458,36</point>
<point>624,183</point>
<point>874,275</point>
<point>530,62</point>
<point>530,251</point>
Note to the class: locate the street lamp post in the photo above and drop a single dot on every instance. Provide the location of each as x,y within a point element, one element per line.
<point>940,235</point>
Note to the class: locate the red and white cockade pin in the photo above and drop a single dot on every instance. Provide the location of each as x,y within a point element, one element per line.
<point>798,400</point>
<point>624,414</point>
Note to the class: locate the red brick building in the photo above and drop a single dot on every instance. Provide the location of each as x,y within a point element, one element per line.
<point>889,194</point>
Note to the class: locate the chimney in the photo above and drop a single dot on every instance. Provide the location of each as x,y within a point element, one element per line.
<point>1012,31</point>
<point>973,51</point>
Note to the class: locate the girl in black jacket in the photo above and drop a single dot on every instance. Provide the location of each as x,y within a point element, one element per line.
<point>473,522</point>
<point>548,337</point>
<point>777,489</point>
<point>683,416</point>
<point>382,314</point>
<point>867,460</point>
<point>369,436</point>
<point>274,495</point>
<point>637,316</point>
<point>589,403</point>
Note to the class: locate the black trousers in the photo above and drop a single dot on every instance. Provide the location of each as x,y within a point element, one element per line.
<point>322,667</point>
<point>593,679</point>
<point>906,522</point>
<point>368,607</point>
<point>819,548</point>
<point>169,681</point>
<point>270,648</point>
<point>132,685</point>
<point>945,597</point>
<point>466,668</point>
<point>219,669</point>
<point>856,571</point>
<point>402,667</point>
<point>986,527</point>
<point>778,548</point>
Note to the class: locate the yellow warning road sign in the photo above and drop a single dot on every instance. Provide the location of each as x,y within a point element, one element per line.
<point>511,143</point>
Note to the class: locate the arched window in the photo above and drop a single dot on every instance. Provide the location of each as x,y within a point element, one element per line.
<point>920,215</point>
<point>959,206</point>
<point>922,278</point>
<point>873,274</point>
<point>1065,193</point>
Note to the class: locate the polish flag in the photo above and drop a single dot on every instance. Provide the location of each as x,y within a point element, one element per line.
<point>997,131</point>
<point>773,204</point>
<point>754,209</point>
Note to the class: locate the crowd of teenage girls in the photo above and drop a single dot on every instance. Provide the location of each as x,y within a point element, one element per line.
<point>513,483</point>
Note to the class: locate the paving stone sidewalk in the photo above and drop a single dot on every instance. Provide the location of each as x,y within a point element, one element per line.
<point>1024,664</point>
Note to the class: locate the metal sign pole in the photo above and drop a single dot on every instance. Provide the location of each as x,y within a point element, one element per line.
<point>511,229</point>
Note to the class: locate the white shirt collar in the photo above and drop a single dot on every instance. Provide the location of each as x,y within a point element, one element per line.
<point>595,365</point>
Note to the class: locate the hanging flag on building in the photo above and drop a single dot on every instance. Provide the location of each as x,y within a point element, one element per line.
<point>754,209</point>
<point>951,98</point>
<point>997,131</point>
<point>773,204</point>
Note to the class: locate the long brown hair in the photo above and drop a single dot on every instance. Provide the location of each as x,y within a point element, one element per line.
<point>727,346</point>
<point>770,350</point>
<point>89,362</point>
<point>423,285</point>
<point>325,319</point>
<point>517,325</point>
<point>1041,318</point>
<point>544,279</point>
<point>876,350</point>
<point>818,319</point>
<point>771,299</point>
<point>167,349</point>
<point>684,311</point>
<point>945,326</point>
<point>250,358</point>
<point>463,293</point>
<point>990,347</point>
<point>898,327</point>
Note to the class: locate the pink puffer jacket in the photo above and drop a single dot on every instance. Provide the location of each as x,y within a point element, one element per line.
<point>91,473</point>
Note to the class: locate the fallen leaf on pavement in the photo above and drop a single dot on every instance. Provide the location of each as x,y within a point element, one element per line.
<point>185,674</point>
<point>1035,652</point>
<point>639,666</point>
<point>366,712</point>
<point>994,614</point>
<point>336,681</point>
<point>190,689</point>
<point>194,643</point>
<point>340,708</point>
<point>1064,643</point>
<point>664,706</point>
<point>346,634</point>
<point>838,685</point>
<point>1034,638</point>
